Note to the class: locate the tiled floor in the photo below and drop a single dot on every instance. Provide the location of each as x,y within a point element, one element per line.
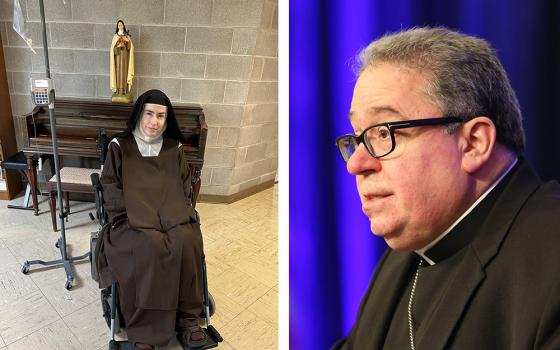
<point>37,312</point>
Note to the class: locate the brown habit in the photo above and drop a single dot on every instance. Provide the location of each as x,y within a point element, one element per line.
<point>154,248</point>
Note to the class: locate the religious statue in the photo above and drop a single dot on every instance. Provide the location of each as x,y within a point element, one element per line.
<point>121,64</point>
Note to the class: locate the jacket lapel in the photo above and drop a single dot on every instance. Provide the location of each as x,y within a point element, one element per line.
<point>469,276</point>
<point>478,255</point>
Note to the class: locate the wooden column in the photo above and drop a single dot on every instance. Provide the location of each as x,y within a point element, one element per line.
<point>8,145</point>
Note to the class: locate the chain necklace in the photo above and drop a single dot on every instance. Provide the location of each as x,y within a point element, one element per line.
<point>410,303</point>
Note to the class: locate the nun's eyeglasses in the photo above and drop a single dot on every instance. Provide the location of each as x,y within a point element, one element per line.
<point>379,139</point>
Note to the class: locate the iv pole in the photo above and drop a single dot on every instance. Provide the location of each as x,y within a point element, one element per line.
<point>61,242</point>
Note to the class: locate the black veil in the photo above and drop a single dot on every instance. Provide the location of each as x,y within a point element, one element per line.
<point>124,27</point>
<point>156,97</point>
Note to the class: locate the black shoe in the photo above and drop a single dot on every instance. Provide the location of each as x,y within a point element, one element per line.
<point>186,337</point>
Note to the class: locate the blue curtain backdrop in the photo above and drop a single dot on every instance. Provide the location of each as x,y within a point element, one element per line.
<point>332,252</point>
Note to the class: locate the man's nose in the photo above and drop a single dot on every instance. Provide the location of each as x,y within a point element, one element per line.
<point>362,161</point>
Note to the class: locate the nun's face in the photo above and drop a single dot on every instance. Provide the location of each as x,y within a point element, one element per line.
<point>153,118</point>
<point>120,25</point>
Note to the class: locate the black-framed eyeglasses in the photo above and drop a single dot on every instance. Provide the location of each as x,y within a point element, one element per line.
<point>379,139</point>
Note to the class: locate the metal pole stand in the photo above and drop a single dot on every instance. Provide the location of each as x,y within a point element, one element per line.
<point>61,242</point>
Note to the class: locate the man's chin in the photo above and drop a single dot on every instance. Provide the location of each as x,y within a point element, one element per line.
<point>392,237</point>
<point>382,231</point>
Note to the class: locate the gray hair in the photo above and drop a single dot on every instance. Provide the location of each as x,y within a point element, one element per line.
<point>466,77</point>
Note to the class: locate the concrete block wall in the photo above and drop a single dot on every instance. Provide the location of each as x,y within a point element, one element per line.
<point>221,54</point>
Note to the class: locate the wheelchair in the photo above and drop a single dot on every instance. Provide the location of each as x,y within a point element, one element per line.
<point>111,313</point>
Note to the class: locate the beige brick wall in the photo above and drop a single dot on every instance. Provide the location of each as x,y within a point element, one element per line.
<point>222,54</point>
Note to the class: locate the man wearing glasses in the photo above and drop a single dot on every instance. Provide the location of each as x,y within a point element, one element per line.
<point>437,152</point>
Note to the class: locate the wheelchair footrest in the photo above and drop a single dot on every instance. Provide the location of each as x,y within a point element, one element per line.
<point>212,336</point>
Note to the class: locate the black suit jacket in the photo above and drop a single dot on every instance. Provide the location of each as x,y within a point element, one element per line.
<point>506,293</point>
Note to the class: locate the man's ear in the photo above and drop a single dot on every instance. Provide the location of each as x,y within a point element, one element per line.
<point>478,137</point>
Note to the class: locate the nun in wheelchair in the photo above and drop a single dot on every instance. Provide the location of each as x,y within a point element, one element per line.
<point>152,247</point>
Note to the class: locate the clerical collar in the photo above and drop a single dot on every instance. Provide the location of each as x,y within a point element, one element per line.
<point>455,237</point>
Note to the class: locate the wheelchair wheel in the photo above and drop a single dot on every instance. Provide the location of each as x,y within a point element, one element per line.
<point>106,305</point>
<point>211,304</point>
